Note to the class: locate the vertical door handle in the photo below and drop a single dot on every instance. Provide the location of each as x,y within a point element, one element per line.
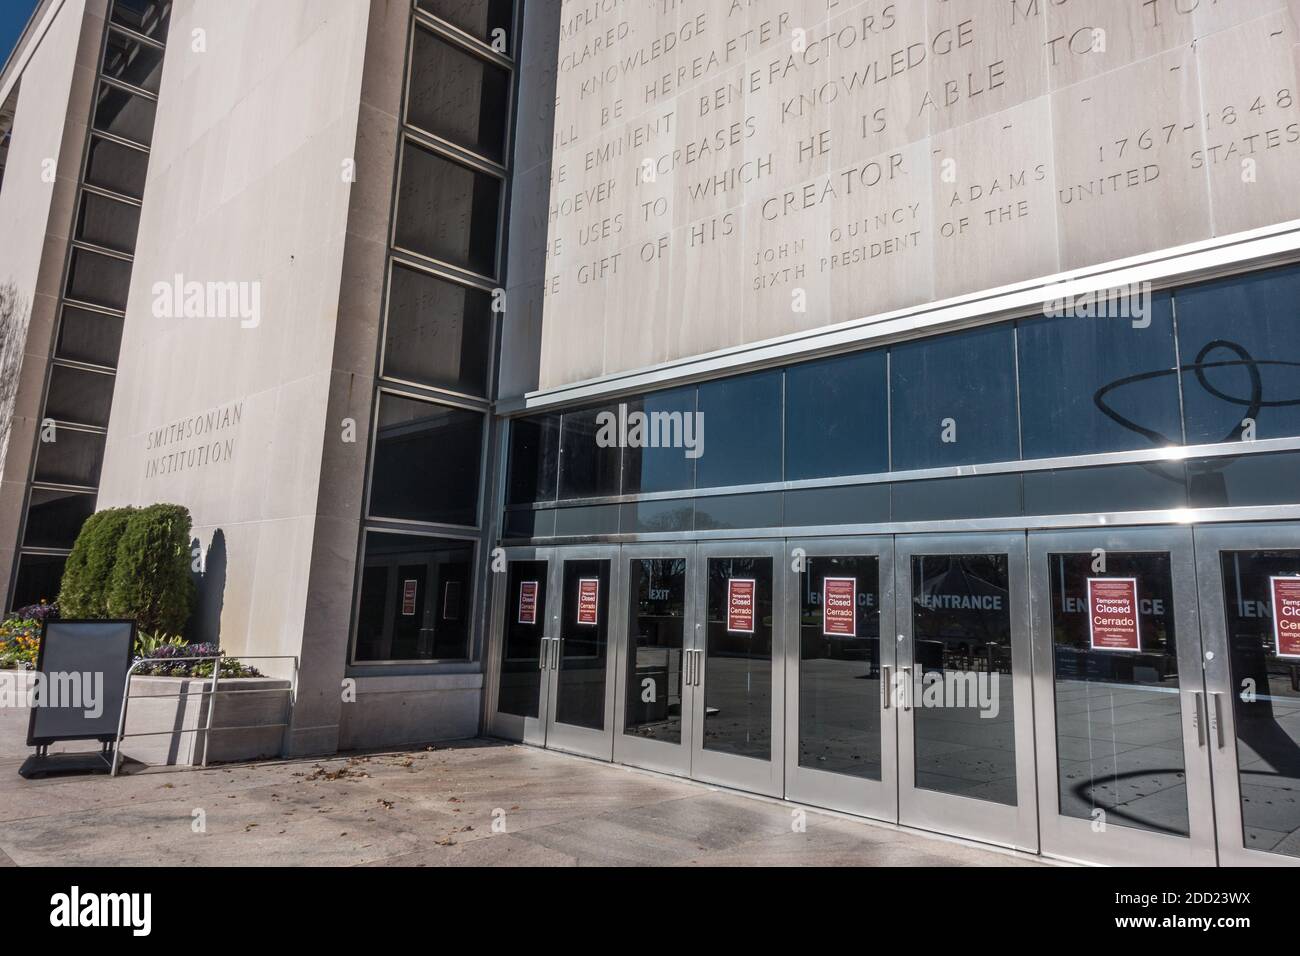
<point>886,686</point>
<point>686,668</point>
<point>555,653</point>
<point>1216,718</point>
<point>1197,720</point>
<point>906,685</point>
<point>541,655</point>
<point>699,666</point>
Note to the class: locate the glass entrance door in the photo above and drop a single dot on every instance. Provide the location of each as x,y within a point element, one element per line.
<point>580,664</point>
<point>521,598</point>
<point>964,693</point>
<point>841,726</point>
<point>736,667</point>
<point>655,647</point>
<point>1120,697</point>
<point>1250,614</point>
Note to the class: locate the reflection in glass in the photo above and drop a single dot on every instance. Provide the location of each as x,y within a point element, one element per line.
<point>836,420</point>
<point>124,114</point>
<point>438,332</point>
<point>738,671</point>
<point>116,167</point>
<point>483,19</point>
<point>655,635</point>
<point>54,518</point>
<point>661,460</point>
<point>1119,731</point>
<point>521,649</point>
<point>426,462</point>
<point>534,459</point>
<point>742,427</point>
<point>79,396</point>
<point>74,459</point>
<point>447,211</point>
<point>415,593</point>
<point>1268,719</point>
<point>589,463</point>
<point>839,672</point>
<point>584,645</point>
<point>108,222</point>
<point>133,62</point>
<point>962,704</point>
<point>457,96</point>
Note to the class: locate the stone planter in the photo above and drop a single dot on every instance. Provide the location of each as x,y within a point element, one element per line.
<point>155,707</point>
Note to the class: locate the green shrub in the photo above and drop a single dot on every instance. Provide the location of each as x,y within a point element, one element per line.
<point>84,591</point>
<point>150,582</point>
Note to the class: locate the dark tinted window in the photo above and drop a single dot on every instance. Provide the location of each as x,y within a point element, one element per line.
<point>447,211</point>
<point>836,417</point>
<point>99,279</point>
<point>133,62</point>
<point>72,458</point>
<point>149,17</point>
<point>1091,385</point>
<point>116,167</point>
<point>589,453</point>
<point>124,114</point>
<point>426,462</point>
<point>415,599</point>
<point>459,97</point>
<point>479,18</point>
<point>87,336</point>
<point>742,431</point>
<point>79,396</point>
<point>534,459</point>
<point>108,222</point>
<point>660,459</point>
<point>1239,341</point>
<point>54,518</point>
<point>439,333</point>
<point>954,399</point>
<point>38,579</point>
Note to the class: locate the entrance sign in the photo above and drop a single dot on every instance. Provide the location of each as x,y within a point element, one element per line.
<point>839,607</point>
<point>588,601</point>
<point>410,588</point>
<point>1286,616</point>
<point>527,602</point>
<point>740,605</point>
<point>1113,614</point>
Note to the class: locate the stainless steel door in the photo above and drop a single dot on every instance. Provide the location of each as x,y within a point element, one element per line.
<point>965,724</point>
<point>580,662</point>
<point>1250,592</point>
<point>737,671</point>
<point>655,638</point>
<point>841,726</point>
<point>1120,699</point>
<point>520,648</point>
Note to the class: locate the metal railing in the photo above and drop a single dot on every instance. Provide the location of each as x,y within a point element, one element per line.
<point>211,693</point>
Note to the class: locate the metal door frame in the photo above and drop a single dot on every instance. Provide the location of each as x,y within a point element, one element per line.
<point>731,770</point>
<point>983,820</point>
<point>567,737</point>
<point>636,751</point>
<point>1210,540</point>
<point>529,730</point>
<point>858,795</point>
<point>1073,838</point>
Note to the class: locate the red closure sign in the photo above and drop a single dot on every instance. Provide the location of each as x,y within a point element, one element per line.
<point>410,588</point>
<point>839,607</point>
<point>740,605</point>
<point>588,597</point>
<point>1286,616</point>
<point>1113,614</point>
<point>527,602</point>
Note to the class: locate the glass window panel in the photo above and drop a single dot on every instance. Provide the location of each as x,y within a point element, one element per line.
<point>836,417</point>
<point>99,279</point>
<point>439,333</point>
<point>1090,385</point>
<point>584,645</point>
<point>657,516</point>
<point>596,519</point>
<point>1267,721</point>
<point>719,512</point>
<point>656,623</point>
<point>79,396</point>
<point>964,729</point>
<point>1119,737</point>
<point>954,399</point>
<point>590,453</point>
<point>115,167</point>
<point>1149,487</point>
<point>1239,344</point>
<point>124,114</point>
<point>427,460</point>
<point>525,626</point>
<point>530,523</point>
<point>73,458</point>
<point>855,504</point>
<point>108,222</point>
<point>54,518</point>
<point>534,459</point>
<point>479,18</point>
<point>86,336</point>
<point>1250,480</point>
<point>738,665</point>
<point>460,97</point>
<point>38,579</point>
<point>839,668</point>
<point>148,17</point>
<point>447,211</point>
<point>741,418</point>
<point>415,599</point>
<point>658,456</point>
<point>947,499</point>
<point>133,62</point>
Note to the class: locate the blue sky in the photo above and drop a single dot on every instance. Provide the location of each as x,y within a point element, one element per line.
<point>13,17</point>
